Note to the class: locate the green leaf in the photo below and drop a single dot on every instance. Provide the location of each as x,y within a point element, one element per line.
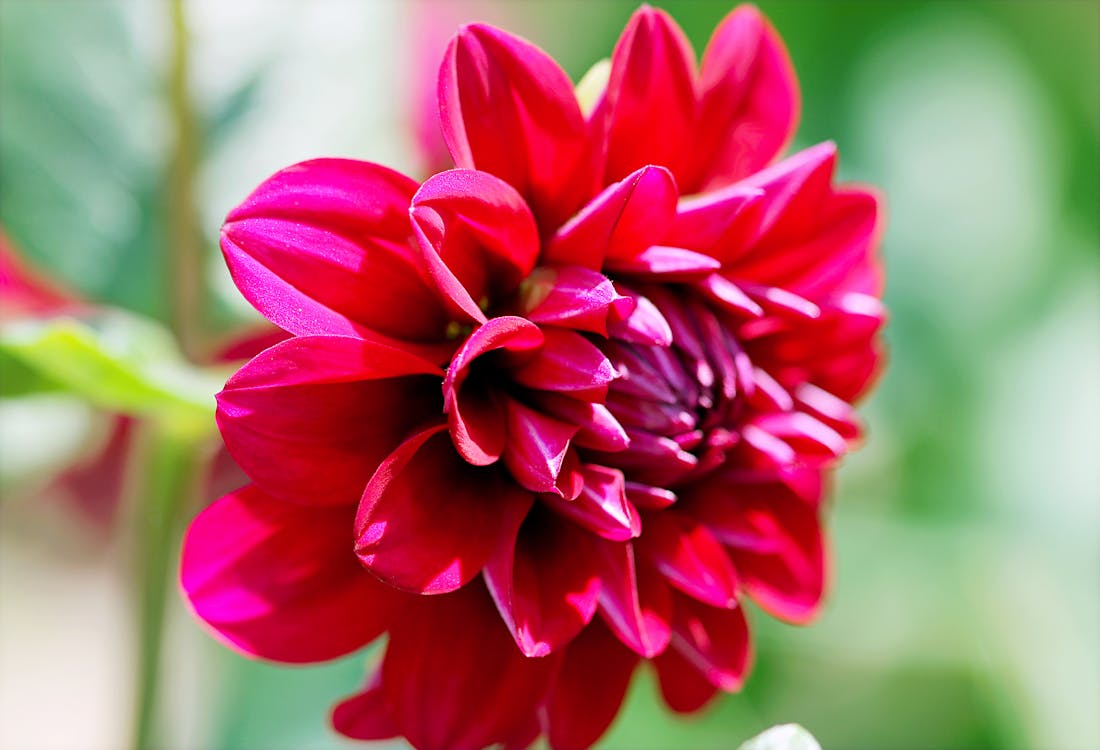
<point>782,737</point>
<point>115,362</point>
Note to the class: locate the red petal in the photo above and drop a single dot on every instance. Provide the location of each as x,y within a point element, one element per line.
<point>477,237</point>
<point>683,686</point>
<point>572,297</point>
<point>322,247</point>
<point>689,557</point>
<point>715,641</point>
<point>601,507</point>
<point>536,447</point>
<point>453,678</point>
<point>475,412</point>
<point>634,601</point>
<point>664,264</point>
<point>428,521</point>
<point>507,108</point>
<point>620,222</point>
<point>567,363</point>
<point>364,716</point>
<point>644,325</point>
<point>545,583</point>
<point>310,418</point>
<point>588,689</point>
<point>280,581</point>
<point>749,101</point>
<point>648,110</point>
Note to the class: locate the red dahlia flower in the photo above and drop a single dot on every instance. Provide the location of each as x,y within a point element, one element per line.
<point>553,412</point>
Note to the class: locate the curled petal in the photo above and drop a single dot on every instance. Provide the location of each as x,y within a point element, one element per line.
<point>749,101</point>
<point>545,582</point>
<point>428,521</point>
<point>601,507</point>
<point>536,447</point>
<point>322,248</point>
<point>310,418</point>
<point>662,263</point>
<point>507,108</point>
<point>644,325</point>
<point>364,716</point>
<point>573,297</point>
<point>280,581</point>
<point>567,363</point>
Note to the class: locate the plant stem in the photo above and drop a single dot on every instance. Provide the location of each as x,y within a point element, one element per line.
<point>166,483</point>
<point>185,250</point>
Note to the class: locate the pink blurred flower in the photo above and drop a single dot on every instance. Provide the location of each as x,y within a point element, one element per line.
<point>554,412</point>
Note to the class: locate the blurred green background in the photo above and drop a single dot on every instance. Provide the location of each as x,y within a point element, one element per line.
<point>965,610</point>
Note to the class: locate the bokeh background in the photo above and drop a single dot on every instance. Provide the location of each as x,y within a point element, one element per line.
<point>965,604</point>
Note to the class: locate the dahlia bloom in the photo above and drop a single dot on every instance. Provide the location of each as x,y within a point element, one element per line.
<point>552,413</point>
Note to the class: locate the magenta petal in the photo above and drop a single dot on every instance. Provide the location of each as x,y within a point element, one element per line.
<point>477,237</point>
<point>689,557</point>
<point>589,689</point>
<point>572,297</point>
<point>476,412</point>
<point>310,418</point>
<point>601,507</point>
<point>620,222</point>
<point>453,678</point>
<point>428,521</point>
<point>644,325</point>
<point>664,264</point>
<point>568,363</point>
<point>683,685</point>
<point>507,108</point>
<point>635,602</point>
<point>598,428</point>
<point>545,583</point>
<point>649,108</point>
<point>716,641</point>
<point>749,103</point>
<point>322,247</point>
<point>280,581</point>
<point>714,220</point>
<point>536,446</point>
<point>364,716</point>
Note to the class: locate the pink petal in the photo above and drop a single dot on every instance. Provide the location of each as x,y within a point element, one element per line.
<point>634,601</point>
<point>649,498</point>
<point>476,413</point>
<point>664,264</point>
<point>364,716</point>
<point>715,641</point>
<point>428,521</point>
<point>536,447</point>
<point>598,428</point>
<point>477,237</point>
<point>589,689</point>
<point>689,557</point>
<point>567,363</point>
<point>453,678</point>
<point>683,686</point>
<point>749,104</point>
<point>507,108</point>
<point>322,247</point>
<point>545,582</point>
<point>649,108</point>
<point>310,418</point>
<point>572,297</point>
<point>601,507</point>
<point>280,581</point>
<point>644,325</point>
<point>624,219</point>
<point>713,220</point>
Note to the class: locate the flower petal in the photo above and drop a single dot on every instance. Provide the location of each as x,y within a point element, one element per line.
<point>536,446</point>
<point>588,689</point>
<point>322,247</point>
<point>280,581</point>
<point>716,641</point>
<point>689,557</point>
<point>364,716</point>
<point>620,222</point>
<point>310,418</point>
<point>428,521</point>
<point>545,582</point>
<point>683,686</point>
<point>507,108</point>
<point>648,111</point>
<point>601,507</point>
<point>567,363</point>
<point>573,297</point>
<point>749,101</point>
<point>634,600</point>
<point>661,263</point>
<point>453,678</point>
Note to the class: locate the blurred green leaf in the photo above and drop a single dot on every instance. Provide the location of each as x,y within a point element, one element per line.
<point>115,362</point>
<point>782,737</point>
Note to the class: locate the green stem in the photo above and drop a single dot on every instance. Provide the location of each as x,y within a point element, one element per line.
<point>167,480</point>
<point>185,248</point>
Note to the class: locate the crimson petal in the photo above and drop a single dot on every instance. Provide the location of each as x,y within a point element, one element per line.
<point>635,602</point>
<point>689,557</point>
<point>364,716</point>
<point>715,641</point>
<point>280,581</point>
<point>428,521</point>
<point>536,447</point>
<point>310,418</point>
<point>602,506</point>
